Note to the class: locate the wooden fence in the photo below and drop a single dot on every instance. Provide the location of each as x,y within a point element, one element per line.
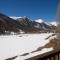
<point>53,55</point>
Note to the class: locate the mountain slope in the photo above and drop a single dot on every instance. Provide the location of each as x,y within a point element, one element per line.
<point>8,24</point>
<point>23,23</point>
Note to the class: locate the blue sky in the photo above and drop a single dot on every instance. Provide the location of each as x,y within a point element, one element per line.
<point>34,9</point>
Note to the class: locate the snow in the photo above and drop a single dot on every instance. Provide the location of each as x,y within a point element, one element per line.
<point>39,20</point>
<point>15,17</point>
<point>48,23</point>
<point>14,45</point>
<point>54,23</point>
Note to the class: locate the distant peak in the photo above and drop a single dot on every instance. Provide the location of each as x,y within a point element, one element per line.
<point>39,20</point>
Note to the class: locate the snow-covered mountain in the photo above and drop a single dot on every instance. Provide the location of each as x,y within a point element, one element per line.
<point>15,24</point>
<point>38,20</point>
<point>48,23</point>
<point>39,24</point>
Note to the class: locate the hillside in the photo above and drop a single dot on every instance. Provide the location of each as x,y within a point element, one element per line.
<point>8,25</point>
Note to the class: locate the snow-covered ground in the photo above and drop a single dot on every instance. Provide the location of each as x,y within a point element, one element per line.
<point>16,45</point>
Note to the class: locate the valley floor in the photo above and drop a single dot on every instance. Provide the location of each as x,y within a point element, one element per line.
<point>17,45</point>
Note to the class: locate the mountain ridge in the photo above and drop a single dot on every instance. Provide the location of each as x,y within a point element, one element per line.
<point>22,23</point>
<point>37,20</point>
